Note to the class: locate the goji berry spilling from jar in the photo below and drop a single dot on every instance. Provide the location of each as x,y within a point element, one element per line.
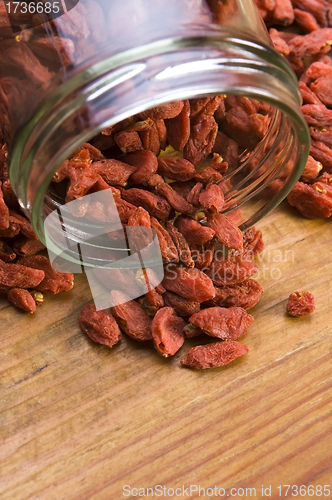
<point>166,167</point>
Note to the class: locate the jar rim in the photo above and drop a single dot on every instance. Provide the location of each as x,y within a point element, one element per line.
<point>272,81</point>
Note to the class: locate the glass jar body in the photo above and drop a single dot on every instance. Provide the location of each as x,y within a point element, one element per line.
<point>63,82</point>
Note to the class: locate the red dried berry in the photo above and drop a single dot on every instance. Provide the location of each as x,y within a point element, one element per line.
<point>130,316</point>
<point>227,233</point>
<point>167,331</point>
<point>54,282</point>
<point>178,169</point>
<point>191,284</point>
<point>19,276</point>
<point>183,307</point>
<point>181,246</point>
<point>214,355</point>
<point>100,326</point>
<point>312,201</point>
<point>229,272</point>
<point>300,304</point>
<point>22,299</point>
<point>245,294</point>
<point>212,197</point>
<point>193,231</point>
<point>225,323</point>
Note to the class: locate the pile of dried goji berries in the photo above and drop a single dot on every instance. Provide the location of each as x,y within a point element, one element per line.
<point>203,291</point>
<point>305,45</point>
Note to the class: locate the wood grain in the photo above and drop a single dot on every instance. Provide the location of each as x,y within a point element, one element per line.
<point>79,421</point>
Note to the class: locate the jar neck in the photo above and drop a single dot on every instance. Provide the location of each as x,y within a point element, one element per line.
<point>216,62</point>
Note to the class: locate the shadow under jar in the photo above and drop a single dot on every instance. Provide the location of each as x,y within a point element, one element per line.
<point>93,72</point>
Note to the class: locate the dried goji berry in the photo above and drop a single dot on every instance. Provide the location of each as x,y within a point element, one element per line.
<point>229,272</point>
<point>193,195</point>
<point>156,205</point>
<point>167,331</point>
<point>130,316</point>
<point>283,12</point>
<point>145,162</point>
<point>225,323</point>
<point>311,170</point>
<point>201,140</point>
<point>193,231</point>
<point>202,255</point>
<point>82,178</point>
<point>226,147</point>
<point>315,43</point>
<point>162,133</point>
<point>312,201</point>
<point>94,153</point>
<point>178,128</point>
<point>317,115</point>
<point>245,129</point>
<point>25,226</point>
<point>183,188</point>
<point>322,88</point>
<point>253,243</point>
<point>13,229</point>
<point>218,164</point>
<point>114,172</point>
<point>54,282</point>
<point>305,20</point>
<point>203,106</point>
<point>149,278</point>
<point>192,331</point>
<point>183,307</point>
<point>181,246</point>
<point>212,197</point>
<point>100,326</point>
<point>227,233</point>
<point>178,169</point>
<point>150,139</point>
<point>300,304</point>
<point>316,70</point>
<point>245,294</point>
<point>174,199</point>
<point>155,298</point>
<point>308,96</point>
<point>168,249</point>
<point>322,153</point>
<point>141,125</point>
<point>22,299</point>
<point>128,141</point>
<point>189,283</point>
<point>19,276</point>
<point>322,135</point>
<point>214,355</point>
<point>208,175</point>
<point>142,236</point>
<point>4,174</point>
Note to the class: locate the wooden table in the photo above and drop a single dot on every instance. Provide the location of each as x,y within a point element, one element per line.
<point>80,421</point>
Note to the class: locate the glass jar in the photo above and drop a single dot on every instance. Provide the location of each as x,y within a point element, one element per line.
<point>65,80</point>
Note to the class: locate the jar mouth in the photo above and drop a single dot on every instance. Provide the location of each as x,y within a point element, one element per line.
<point>164,71</point>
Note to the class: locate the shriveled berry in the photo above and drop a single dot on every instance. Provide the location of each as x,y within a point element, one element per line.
<point>100,326</point>
<point>167,331</point>
<point>300,304</point>
<point>214,355</point>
